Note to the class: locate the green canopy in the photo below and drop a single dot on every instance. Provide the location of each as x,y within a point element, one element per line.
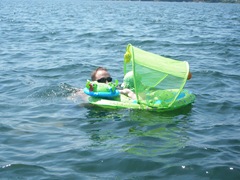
<point>151,75</point>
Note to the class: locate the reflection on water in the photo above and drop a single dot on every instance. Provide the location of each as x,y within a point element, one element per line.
<point>141,133</point>
<point>156,134</point>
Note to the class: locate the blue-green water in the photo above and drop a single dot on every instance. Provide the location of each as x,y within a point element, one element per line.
<point>48,50</point>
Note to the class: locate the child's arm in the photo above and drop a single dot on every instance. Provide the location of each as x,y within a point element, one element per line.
<point>128,93</point>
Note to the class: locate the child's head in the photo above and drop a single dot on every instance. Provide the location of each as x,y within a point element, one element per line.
<point>128,81</point>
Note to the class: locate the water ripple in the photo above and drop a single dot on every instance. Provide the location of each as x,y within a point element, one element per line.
<point>48,51</point>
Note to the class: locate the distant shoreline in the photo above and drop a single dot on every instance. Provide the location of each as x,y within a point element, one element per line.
<point>207,1</point>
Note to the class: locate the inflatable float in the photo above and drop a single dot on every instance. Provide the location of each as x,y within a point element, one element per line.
<point>157,81</point>
<point>101,90</point>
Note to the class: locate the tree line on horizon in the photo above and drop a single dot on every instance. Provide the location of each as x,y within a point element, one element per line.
<point>210,1</point>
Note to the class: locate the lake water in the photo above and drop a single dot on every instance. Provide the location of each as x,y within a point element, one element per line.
<point>49,48</point>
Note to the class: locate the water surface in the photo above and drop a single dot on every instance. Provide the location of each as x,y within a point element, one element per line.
<point>48,49</point>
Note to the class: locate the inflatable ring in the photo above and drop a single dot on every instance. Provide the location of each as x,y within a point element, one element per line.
<point>101,90</point>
